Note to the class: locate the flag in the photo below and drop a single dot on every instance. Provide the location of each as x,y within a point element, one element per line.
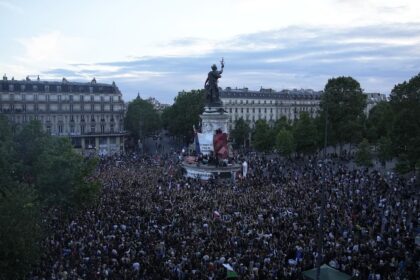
<point>220,145</point>
<point>216,215</point>
<point>230,273</point>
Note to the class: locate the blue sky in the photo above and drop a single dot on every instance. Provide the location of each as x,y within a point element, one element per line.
<point>159,48</point>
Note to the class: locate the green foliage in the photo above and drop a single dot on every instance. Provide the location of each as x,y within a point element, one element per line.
<point>184,113</point>
<point>285,143</point>
<point>405,134</point>
<point>305,134</point>
<point>380,121</point>
<point>384,149</point>
<point>282,123</point>
<point>263,137</point>
<point>141,118</point>
<point>37,171</point>
<point>6,152</point>
<point>343,102</point>
<point>241,131</point>
<point>20,231</point>
<point>364,154</point>
<point>61,175</point>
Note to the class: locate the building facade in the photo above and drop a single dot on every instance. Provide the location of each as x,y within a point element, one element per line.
<point>268,104</point>
<point>373,99</point>
<point>91,114</point>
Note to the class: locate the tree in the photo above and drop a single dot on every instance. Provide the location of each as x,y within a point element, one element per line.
<point>6,152</point>
<point>380,121</point>
<point>384,150</point>
<point>282,123</point>
<point>405,132</point>
<point>20,231</point>
<point>343,101</point>
<point>241,131</point>
<point>305,134</point>
<point>184,113</point>
<point>364,154</point>
<point>263,138</point>
<point>141,119</point>
<point>285,143</point>
<point>60,176</point>
<point>37,171</point>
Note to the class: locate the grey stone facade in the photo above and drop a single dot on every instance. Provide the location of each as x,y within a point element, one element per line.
<point>91,113</point>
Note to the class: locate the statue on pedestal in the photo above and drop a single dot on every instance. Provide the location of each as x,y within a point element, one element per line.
<point>211,87</point>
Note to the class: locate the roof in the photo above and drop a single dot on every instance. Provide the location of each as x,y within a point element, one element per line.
<point>270,94</point>
<point>66,86</point>
<point>327,273</point>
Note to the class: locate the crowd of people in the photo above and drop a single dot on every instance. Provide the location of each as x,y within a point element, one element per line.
<point>152,223</point>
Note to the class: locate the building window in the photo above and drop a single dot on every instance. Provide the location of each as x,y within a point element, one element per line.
<point>49,130</point>
<point>112,128</point>
<point>71,97</point>
<point>60,128</point>
<point>81,98</point>
<point>102,128</point>
<point>82,128</point>
<point>72,129</point>
<point>91,98</point>
<point>92,128</point>
<point>58,88</point>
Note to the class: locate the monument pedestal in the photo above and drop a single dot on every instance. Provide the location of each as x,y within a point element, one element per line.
<point>213,118</point>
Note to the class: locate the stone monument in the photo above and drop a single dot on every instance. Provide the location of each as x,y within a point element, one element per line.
<point>212,140</point>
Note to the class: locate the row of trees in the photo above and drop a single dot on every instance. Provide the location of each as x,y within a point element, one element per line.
<point>38,173</point>
<point>393,127</point>
<point>142,119</point>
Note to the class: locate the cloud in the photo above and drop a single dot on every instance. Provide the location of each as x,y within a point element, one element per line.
<point>12,7</point>
<point>378,56</point>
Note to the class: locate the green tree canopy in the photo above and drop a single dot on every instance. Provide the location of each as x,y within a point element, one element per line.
<point>405,134</point>
<point>305,134</point>
<point>364,154</point>
<point>241,131</point>
<point>343,101</point>
<point>285,143</point>
<point>380,121</point>
<point>184,113</point>
<point>141,118</point>
<point>38,171</point>
<point>263,138</point>
<point>282,123</point>
<point>20,230</point>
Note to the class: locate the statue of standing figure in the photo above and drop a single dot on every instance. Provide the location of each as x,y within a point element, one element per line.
<point>212,89</point>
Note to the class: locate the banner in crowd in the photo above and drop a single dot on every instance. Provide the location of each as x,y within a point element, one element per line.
<point>205,141</point>
<point>197,174</point>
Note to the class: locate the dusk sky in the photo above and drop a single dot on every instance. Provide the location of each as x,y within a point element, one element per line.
<point>159,48</point>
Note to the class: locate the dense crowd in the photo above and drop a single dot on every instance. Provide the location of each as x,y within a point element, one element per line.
<point>151,223</point>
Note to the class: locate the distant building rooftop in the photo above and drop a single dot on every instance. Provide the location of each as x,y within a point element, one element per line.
<point>38,85</point>
<point>268,93</point>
